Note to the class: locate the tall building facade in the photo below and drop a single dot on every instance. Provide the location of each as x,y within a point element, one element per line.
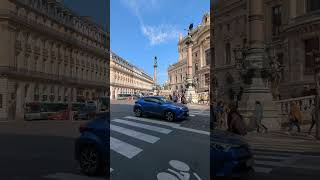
<point>201,60</point>
<point>48,53</point>
<point>292,31</point>
<point>126,78</point>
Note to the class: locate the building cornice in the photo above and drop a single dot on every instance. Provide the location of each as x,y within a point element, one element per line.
<point>54,34</point>
<point>25,74</point>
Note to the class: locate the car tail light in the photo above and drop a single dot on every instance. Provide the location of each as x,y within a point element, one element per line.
<point>83,128</point>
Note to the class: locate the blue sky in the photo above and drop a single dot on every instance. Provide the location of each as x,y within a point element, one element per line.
<point>142,29</point>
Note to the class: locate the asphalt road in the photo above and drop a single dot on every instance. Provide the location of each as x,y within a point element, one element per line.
<point>146,148</point>
<point>163,146</point>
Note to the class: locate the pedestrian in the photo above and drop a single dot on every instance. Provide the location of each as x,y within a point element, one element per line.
<point>226,110</point>
<point>295,117</point>
<point>183,99</point>
<point>313,118</point>
<point>220,113</point>
<point>175,98</point>
<point>170,97</point>
<point>236,123</point>
<point>259,117</point>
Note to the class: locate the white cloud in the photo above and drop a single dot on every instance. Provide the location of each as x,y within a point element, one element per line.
<point>155,34</point>
<point>160,34</point>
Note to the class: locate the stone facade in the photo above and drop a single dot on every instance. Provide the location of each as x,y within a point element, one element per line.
<point>49,54</point>
<point>291,30</point>
<point>126,78</point>
<point>201,59</point>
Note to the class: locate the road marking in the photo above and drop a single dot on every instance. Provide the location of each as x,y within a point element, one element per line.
<point>193,130</point>
<point>268,163</point>
<point>262,169</point>
<point>135,134</point>
<point>172,125</point>
<point>271,157</point>
<point>143,126</point>
<point>192,115</point>
<point>256,151</point>
<point>70,176</point>
<point>152,121</point>
<point>124,148</point>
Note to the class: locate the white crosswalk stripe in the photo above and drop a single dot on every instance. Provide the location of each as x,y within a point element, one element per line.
<point>136,128</point>
<point>143,126</point>
<point>124,148</point>
<point>272,152</point>
<point>135,134</point>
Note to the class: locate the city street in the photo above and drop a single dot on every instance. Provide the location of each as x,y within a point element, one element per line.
<point>141,148</point>
<point>147,148</point>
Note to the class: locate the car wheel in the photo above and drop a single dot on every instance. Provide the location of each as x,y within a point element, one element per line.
<point>169,116</point>
<point>90,161</point>
<point>138,112</point>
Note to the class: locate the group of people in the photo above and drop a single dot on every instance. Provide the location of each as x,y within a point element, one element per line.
<point>178,98</point>
<point>228,117</point>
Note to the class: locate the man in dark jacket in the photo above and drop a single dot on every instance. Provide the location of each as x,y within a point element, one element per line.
<point>235,122</point>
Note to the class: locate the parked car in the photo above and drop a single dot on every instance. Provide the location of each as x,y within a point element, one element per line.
<point>60,115</point>
<point>230,156</point>
<point>85,113</point>
<point>92,146</point>
<point>160,106</point>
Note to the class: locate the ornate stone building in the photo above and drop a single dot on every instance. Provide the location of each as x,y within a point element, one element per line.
<point>126,78</point>
<point>201,60</point>
<point>48,54</point>
<point>291,31</point>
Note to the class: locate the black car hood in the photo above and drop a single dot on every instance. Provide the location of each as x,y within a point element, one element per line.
<point>225,137</point>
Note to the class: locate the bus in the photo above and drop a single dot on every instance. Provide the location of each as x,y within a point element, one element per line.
<point>43,110</point>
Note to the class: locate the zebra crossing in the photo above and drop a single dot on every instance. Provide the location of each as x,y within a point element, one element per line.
<point>272,152</point>
<point>194,112</point>
<point>141,129</point>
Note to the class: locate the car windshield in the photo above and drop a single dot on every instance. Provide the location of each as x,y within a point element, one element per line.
<point>164,100</point>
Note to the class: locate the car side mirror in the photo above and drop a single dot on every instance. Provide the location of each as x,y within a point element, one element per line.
<point>159,103</point>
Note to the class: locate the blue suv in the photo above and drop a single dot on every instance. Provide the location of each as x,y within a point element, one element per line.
<point>160,106</point>
<point>230,156</point>
<point>92,147</point>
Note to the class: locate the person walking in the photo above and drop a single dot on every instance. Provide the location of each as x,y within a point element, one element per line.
<point>313,118</point>
<point>174,98</point>
<point>259,117</point>
<point>183,99</point>
<point>295,117</point>
<point>170,97</point>
<point>235,122</point>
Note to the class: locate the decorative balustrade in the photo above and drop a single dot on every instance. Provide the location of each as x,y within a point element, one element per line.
<point>306,104</point>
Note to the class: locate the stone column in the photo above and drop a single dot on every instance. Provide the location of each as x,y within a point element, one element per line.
<point>190,92</point>
<point>30,93</point>
<point>20,101</point>
<point>257,90</point>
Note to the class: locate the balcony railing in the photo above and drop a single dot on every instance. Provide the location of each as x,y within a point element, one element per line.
<point>306,104</point>
<point>23,73</point>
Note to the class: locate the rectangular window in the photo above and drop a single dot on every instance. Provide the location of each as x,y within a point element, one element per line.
<point>310,44</point>
<point>313,5</point>
<point>276,20</point>
<point>0,100</point>
<point>208,57</point>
